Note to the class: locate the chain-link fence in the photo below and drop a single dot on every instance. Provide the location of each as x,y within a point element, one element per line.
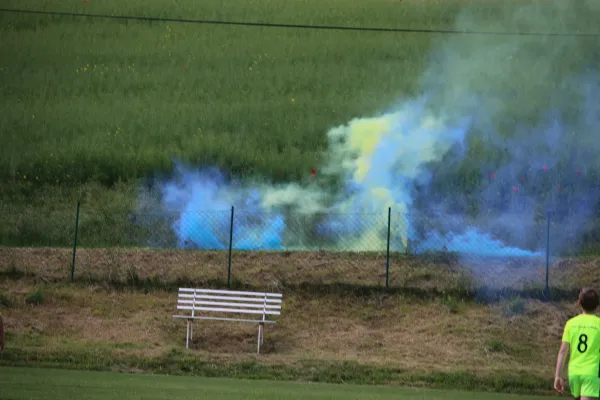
<point>309,248</point>
<point>25,227</point>
<point>494,253</point>
<point>238,247</point>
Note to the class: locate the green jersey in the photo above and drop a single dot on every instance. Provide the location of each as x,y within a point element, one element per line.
<point>583,335</point>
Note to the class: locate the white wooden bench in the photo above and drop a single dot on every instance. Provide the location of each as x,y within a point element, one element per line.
<point>200,302</point>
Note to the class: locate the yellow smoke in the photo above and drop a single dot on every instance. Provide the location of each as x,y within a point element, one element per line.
<point>356,154</point>
<point>363,137</point>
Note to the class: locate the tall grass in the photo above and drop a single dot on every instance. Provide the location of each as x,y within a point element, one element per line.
<point>105,100</point>
<point>108,100</point>
<point>92,106</point>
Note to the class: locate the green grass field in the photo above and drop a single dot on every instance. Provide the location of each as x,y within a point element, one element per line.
<point>100,97</point>
<point>90,100</point>
<point>33,383</point>
<point>91,107</point>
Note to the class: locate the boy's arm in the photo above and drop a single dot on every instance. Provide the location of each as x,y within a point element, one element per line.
<point>558,381</point>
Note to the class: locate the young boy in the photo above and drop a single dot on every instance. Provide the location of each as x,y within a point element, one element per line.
<point>581,338</point>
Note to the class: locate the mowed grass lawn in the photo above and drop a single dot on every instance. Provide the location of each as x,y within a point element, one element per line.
<point>34,383</point>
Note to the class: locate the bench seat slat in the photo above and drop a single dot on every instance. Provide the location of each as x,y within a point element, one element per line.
<point>240,305</point>
<point>230,292</point>
<point>230,310</point>
<point>248,299</point>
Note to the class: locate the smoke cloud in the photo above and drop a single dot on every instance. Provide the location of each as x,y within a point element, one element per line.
<point>535,109</point>
<point>505,132</point>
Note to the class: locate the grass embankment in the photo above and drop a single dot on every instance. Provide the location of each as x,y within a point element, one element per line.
<point>40,383</point>
<point>92,107</point>
<point>427,331</point>
<point>426,276</point>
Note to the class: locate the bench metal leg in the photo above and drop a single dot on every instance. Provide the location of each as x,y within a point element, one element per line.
<point>187,335</point>
<point>260,337</point>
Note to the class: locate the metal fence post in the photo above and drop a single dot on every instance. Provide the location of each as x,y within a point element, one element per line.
<point>387,258</point>
<point>75,242</point>
<point>230,248</point>
<point>547,289</point>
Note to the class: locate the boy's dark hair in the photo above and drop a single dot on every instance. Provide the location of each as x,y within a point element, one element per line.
<point>589,299</point>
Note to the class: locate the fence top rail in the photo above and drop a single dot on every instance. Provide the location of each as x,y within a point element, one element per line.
<point>243,212</point>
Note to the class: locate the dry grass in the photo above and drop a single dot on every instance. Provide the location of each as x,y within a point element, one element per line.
<point>377,329</point>
<point>407,329</point>
<point>269,270</point>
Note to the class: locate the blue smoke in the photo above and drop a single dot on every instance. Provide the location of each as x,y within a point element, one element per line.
<point>202,200</point>
<point>472,242</point>
<point>542,171</point>
<point>392,152</point>
<point>469,167</point>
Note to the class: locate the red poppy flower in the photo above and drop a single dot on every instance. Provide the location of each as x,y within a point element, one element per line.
<point>545,167</point>
<point>313,172</point>
<point>515,189</point>
<point>493,176</point>
<point>523,179</point>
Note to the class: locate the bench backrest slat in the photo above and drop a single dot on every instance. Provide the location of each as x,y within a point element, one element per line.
<point>226,301</point>
<point>249,299</point>
<point>226,304</point>
<point>228,292</point>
